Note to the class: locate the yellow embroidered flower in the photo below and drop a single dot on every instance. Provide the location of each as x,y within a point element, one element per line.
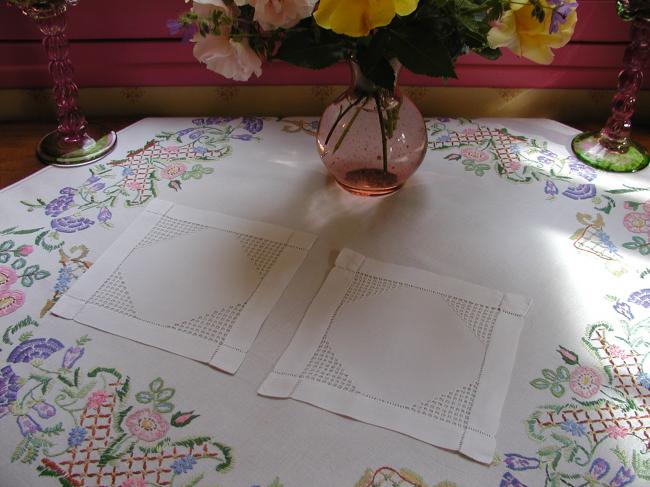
<point>527,37</point>
<point>356,18</point>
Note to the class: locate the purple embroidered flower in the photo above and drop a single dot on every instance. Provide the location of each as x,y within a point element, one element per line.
<point>560,14</point>
<point>76,436</point>
<point>643,379</point>
<point>545,160</point>
<point>640,297</point>
<point>570,426</point>
<point>200,149</point>
<point>71,224</point>
<point>568,356</point>
<point>218,120</point>
<point>509,480</point>
<point>599,468</point>
<point>245,137</point>
<point>27,425</point>
<point>199,121</point>
<point>518,462</point>
<point>104,215</point>
<point>67,190</point>
<point>623,477</point>
<point>44,409</point>
<point>71,356</point>
<point>443,138</point>
<point>196,134</point>
<point>184,464</point>
<point>9,387</point>
<point>581,192</point>
<point>253,124</point>
<point>550,188</point>
<point>623,309</point>
<point>64,279</point>
<point>581,169</point>
<point>59,205</point>
<point>35,348</point>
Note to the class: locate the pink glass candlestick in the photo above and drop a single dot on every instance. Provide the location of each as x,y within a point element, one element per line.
<point>612,149</point>
<point>74,142</point>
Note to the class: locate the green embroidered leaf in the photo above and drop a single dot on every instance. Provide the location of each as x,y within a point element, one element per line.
<point>111,371</point>
<point>55,430</point>
<point>165,394</point>
<point>608,371</point>
<point>109,453</point>
<point>562,373</point>
<point>144,397</point>
<point>192,441</point>
<point>123,391</point>
<point>549,375</point>
<point>81,341</point>
<point>540,383</point>
<point>65,482</point>
<point>621,455</point>
<point>27,281</point>
<point>66,381</point>
<point>25,336</point>
<point>18,263</point>
<point>227,454</point>
<point>19,451</point>
<point>4,258</point>
<point>557,390</point>
<point>277,483</point>
<point>119,419</point>
<point>30,270</point>
<point>547,451</point>
<point>194,481</point>
<point>44,471</point>
<point>7,245</point>
<point>42,274</point>
<point>156,385</point>
<point>76,377</point>
<point>641,466</point>
<point>163,407</point>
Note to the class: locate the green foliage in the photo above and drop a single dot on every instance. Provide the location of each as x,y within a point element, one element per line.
<point>158,395</point>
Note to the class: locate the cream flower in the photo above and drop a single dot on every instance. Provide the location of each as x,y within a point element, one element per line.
<point>221,54</point>
<point>524,35</point>
<point>275,14</point>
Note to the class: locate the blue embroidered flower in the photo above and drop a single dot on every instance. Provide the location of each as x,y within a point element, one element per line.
<point>640,297</point>
<point>253,125</point>
<point>60,204</point>
<point>518,462</point>
<point>643,378</point>
<point>183,465</point>
<point>71,224</point>
<point>580,192</point>
<point>127,171</point>
<point>581,169</point>
<point>606,241</point>
<point>196,134</point>
<point>545,160</point>
<point>27,425</point>
<point>570,426</point>
<point>76,436</point>
<point>624,309</point>
<point>44,409</point>
<point>64,279</point>
<point>104,215</point>
<point>443,138</point>
<point>200,150</point>
<point>218,120</point>
<point>599,468</point>
<point>623,477</point>
<point>550,188</point>
<point>9,387</point>
<point>199,121</point>
<point>510,480</point>
<point>35,348</point>
<point>71,356</point>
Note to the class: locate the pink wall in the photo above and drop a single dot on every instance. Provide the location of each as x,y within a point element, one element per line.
<point>126,43</point>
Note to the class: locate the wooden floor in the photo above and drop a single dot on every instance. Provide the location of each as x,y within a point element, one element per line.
<point>18,140</point>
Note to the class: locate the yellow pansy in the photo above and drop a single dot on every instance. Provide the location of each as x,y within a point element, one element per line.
<point>356,18</point>
<point>526,36</point>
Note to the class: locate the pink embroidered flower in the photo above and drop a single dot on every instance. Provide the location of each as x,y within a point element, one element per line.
<point>10,301</point>
<point>7,277</point>
<point>511,166</point>
<point>134,482</point>
<point>147,425</point>
<point>617,432</point>
<point>469,131</point>
<point>474,154</point>
<point>230,58</point>
<point>584,381</point>
<point>173,170</point>
<point>274,14</point>
<point>646,206</point>
<point>637,222</point>
<point>172,148</point>
<point>25,250</point>
<point>97,399</point>
<point>135,185</point>
<point>617,352</point>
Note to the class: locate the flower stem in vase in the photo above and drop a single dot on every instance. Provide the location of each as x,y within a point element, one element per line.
<point>384,148</point>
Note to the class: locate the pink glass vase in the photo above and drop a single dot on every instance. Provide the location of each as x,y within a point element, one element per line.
<point>74,142</point>
<point>371,139</point>
<point>612,149</point>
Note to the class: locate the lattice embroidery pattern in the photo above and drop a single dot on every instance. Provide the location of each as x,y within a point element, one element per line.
<point>81,464</point>
<point>591,240</point>
<point>114,295</point>
<point>169,228</point>
<point>452,407</point>
<point>502,142</point>
<point>213,326</point>
<point>598,419</point>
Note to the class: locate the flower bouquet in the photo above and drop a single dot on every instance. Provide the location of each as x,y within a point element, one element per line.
<point>372,138</point>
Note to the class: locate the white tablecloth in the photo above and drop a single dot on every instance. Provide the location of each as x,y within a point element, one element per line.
<point>500,203</point>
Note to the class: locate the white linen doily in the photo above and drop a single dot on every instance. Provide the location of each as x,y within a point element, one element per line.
<point>193,282</point>
<point>412,351</point>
